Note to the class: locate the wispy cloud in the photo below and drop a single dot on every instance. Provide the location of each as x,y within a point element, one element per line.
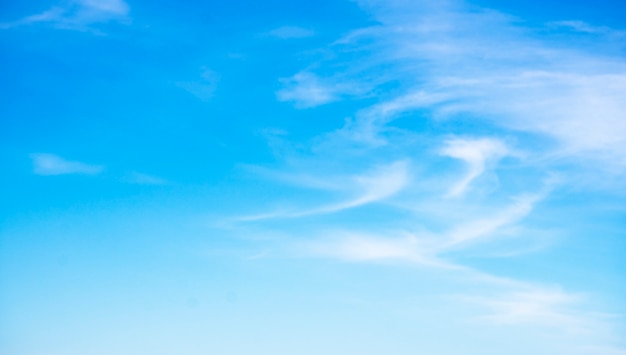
<point>375,185</point>
<point>291,32</point>
<point>453,63</point>
<point>369,125</point>
<point>476,153</point>
<point>443,75</point>
<point>362,247</point>
<point>537,306</point>
<point>427,247</point>
<point>50,164</point>
<point>584,117</point>
<point>203,88</point>
<point>483,228</point>
<point>584,27</point>
<point>306,90</point>
<point>78,14</point>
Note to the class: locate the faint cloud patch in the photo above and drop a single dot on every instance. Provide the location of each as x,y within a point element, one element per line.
<point>476,154</point>
<point>309,90</point>
<point>449,63</point>
<point>349,246</point>
<point>425,247</point>
<point>584,27</point>
<point>78,14</point>
<point>373,186</point>
<point>291,32</point>
<point>203,88</point>
<point>50,164</point>
<point>541,306</point>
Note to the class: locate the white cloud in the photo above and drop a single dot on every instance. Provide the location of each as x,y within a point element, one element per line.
<point>483,228</point>
<point>382,182</point>
<point>585,27</point>
<point>470,72</point>
<point>375,185</point>
<point>359,247</point>
<point>78,14</point>
<point>426,247</point>
<point>582,111</point>
<point>369,126</point>
<point>444,64</point>
<point>476,153</point>
<point>482,66</point>
<point>538,306</point>
<point>50,164</point>
<point>291,32</point>
<point>116,7</point>
<point>308,90</point>
<point>204,88</point>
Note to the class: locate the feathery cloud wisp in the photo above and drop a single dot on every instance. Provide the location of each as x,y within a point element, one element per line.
<point>547,307</point>
<point>376,185</point>
<point>483,228</point>
<point>291,32</point>
<point>360,247</point>
<point>476,153</point>
<point>50,164</point>
<point>307,90</point>
<point>203,88</point>
<point>78,14</point>
<point>484,67</point>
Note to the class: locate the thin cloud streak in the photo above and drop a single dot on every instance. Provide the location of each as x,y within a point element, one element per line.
<point>429,246</point>
<point>78,14</point>
<point>483,228</point>
<point>447,64</point>
<point>291,32</point>
<point>374,186</point>
<point>307,90</point>
<point>356,247</point>
<point>476,154</point>
<point>546,307</point>
<point>203,88</point>
<point>456,63</point>
<point>50,164</point>
<point>538,306</point>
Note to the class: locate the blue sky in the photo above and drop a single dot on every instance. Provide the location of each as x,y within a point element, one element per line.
<point>329,177</point>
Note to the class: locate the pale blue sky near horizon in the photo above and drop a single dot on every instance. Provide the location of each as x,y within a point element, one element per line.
<point>300,177</point>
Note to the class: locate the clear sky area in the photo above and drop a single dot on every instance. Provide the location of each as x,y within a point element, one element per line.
<point>340,177</point>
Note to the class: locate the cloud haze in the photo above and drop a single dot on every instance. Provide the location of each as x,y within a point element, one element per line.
<point>50,164</point>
